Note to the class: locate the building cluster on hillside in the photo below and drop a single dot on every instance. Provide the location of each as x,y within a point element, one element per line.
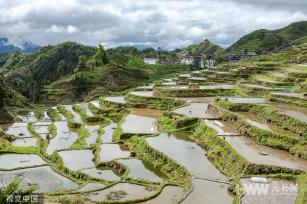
<point>249,54</point>
<point>196,60</point>
<point>150,60</point>
<point>243,55</point>
<point>284,46</point>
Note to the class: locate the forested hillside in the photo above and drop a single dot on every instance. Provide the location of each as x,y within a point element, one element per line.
<point>263,40</point>
<point>9,97</point>
<point>71,70</point>
<point>25,71</point>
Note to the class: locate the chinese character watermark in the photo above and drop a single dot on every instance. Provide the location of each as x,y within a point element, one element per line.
<point>25,199</point>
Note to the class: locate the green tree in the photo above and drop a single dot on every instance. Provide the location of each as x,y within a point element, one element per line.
<point>82,63</point>
<point>134,52</point>
<point>82,83</point>
<point>135,64</point>
<point>101,56</point>
<point>219,57</point>
<point>62,66</point>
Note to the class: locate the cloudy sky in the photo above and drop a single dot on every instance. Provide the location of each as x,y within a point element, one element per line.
<point>166,23</point>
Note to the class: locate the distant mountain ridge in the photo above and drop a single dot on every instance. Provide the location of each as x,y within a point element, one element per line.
<point>264,40</point>
<point>22,46</point>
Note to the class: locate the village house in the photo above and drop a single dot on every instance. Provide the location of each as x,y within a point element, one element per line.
<point>248,54</point>
<point>233,58</point>
<point>193,60</point>
<point>209,63</point>
<point>236,58</point>
<point>148,60</point>
<point>187,60</point>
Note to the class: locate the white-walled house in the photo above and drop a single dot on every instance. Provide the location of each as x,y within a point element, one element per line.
<point>148,60</point>
<point>187,60</point>
<point>210,63</point>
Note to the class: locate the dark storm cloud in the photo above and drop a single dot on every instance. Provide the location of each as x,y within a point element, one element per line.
<point>165,23</point>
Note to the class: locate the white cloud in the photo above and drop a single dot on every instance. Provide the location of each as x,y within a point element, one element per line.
<point>72,29</point>
<point>62,29</point>
<point>165,23</point>
<point>56,29</point>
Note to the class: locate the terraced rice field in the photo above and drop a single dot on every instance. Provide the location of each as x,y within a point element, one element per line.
<point>145,156</point>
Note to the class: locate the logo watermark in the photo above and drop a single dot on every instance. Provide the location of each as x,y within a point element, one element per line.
<point>25,199</point>
<point>272,189</point>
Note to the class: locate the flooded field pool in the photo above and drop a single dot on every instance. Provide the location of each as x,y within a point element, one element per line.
<point>121,192</point>
<point>185,75</point>
<point>139,171</point>
<point>169,195</point>
<point>147,87</point>
<point>218,86</point>
<point>64,138</point>
<point>198,99</point>
<point>257,86</point>
<point>204,87</point>
<point>107,174</point>
<point>93,129</point>
<point>195,110</point>
<point>153,113</point>
<point>138,124</point>
<point>171,83</point>
<point>291,94</point>
<point>245,100</point>
<point>19,130</point>
<point>13,161</point>
<point>47,179</point>
<point>109,152</point>
<point>42,123</point>
<point>265,155</point>
<point>259,122</point>
<point>297,112</point>
<point>84,106</point>
<point>96,103</point>
<point>176,87</point>
<point>198,78</point>
<point>116,99</point>
<point>143,93</point>
<point>108,133</point>
<point>223,128</point>
<point>298,115</point>
<point>25,142</point>
<point>186,153</point>
<point>77,159</point>
<point>42,127</point>
<point>77,117</point>
<point>28,117</point>
<point>46,117</point>
<point>208,192</point>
